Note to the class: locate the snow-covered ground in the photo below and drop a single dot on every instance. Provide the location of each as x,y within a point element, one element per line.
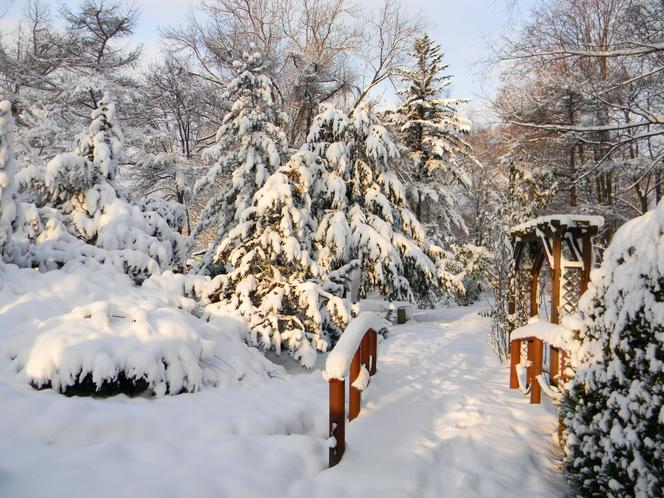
<point>437,420</point>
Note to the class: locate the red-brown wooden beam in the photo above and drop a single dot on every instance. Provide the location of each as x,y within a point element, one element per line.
<point>537,346</point>
<point>354,395</point>
<point>554,365</point>
<point>373,350</point>
<point>365,351</point>
<point>555,279</point>
<point>337,423</point>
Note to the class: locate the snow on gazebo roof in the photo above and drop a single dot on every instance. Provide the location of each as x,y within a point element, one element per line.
<point>558,223</point>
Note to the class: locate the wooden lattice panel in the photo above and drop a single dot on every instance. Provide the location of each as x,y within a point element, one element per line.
<point>569,292</point>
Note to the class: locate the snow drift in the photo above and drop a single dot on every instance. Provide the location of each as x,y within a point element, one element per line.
<point>86,329</point>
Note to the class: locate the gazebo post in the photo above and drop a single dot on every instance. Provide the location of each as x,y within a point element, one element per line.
<point>555,303</point>
<point>536,357</point>
<point>587,256</point>
<point>555,279</point>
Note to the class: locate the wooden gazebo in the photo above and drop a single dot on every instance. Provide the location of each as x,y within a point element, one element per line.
<point>565,243</point>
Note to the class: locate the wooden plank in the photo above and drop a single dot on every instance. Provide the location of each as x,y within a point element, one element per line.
<point>354,395</point>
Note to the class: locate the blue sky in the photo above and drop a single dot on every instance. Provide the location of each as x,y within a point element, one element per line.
<point>463,28</point>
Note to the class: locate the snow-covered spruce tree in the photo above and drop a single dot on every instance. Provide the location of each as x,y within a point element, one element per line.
<point>248,149</point>
<point>431,130</point>
<point>614,407</point>
<point>364,219</point>
<point>7,171</point>
<point>79,213</point>
<point>275,281</point>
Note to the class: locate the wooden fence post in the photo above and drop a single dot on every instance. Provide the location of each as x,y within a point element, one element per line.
<point>355,395</point>
<point>365,351</point>
<point>554,365</point>
<point>337,425</point>
<point>515,359</point>
<point>373,349</point>
<point>538,353</point>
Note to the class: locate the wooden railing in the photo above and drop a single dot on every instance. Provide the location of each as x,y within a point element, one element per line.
<point>365,357</point>
<point>354,357</point>
<point>534,379</point>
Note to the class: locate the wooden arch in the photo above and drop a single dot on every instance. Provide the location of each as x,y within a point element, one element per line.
<point>564,242</point>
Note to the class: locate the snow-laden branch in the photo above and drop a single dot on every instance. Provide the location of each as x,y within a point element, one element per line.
<point>630,49</point>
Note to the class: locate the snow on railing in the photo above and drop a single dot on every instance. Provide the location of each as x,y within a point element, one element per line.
<point>355,356</point>
<point>538,335</point>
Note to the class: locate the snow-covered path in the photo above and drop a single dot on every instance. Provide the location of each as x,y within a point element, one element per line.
<point>437,420</point>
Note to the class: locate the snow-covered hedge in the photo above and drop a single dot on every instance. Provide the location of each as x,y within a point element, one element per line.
<point>86,329</point>
<point>614,408</point>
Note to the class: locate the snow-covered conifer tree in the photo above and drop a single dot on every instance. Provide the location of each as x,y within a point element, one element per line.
<point>613,410</point>
<point>432,130</point>
<point>248,149</point>
<point>79,213</point>
<point>365,221</point>
<point>7,171</point>
<point>275,281</point>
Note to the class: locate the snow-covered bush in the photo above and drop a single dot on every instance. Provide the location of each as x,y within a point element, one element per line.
<point>248,149</point>
<point>93,332</point>
<point>173,213</point>
<point>614,409</point>
<point>472,262</point>
<point>7,170</point>
<point>167,177</point>
<point>79,214</point>
<point>364,220</point>
<point>275,281</point>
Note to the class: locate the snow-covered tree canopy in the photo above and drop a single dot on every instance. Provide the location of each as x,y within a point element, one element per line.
<point>249,147</point>
<point>74,210</point>
<point>365,222</point>
<point>431,130</point>
<point>614,411</point>
<point>275,281</point>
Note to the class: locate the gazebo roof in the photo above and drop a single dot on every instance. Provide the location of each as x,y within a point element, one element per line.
<point>557,224</point>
